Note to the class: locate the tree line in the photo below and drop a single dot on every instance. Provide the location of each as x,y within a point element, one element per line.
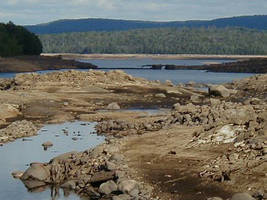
<point>16,40</point>
<point>209,40</point>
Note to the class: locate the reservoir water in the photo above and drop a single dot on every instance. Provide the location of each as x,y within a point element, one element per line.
<point>176,76</point>
<point>19,154</point>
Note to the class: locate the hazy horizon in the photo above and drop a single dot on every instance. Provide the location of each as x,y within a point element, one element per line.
<point>30,12</point>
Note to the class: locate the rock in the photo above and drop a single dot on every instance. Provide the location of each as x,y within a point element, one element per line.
<point>122,197</point>
<point>176,106</point>
<point>116,157</point>
<point>63,157</point>
<point>169,83</point>
<point>102,176</point>
<point>32,184</point>
<point>240,116</point>
<point>37,171</point>
<point>71,185</point>
<point>129,187</point>
<point>226,134</point>
<point>111,166</point>
<point>113,106</point>
<point>19,129</point>
<point>108,187</point>
<point>47,144</point>
<point>9,111</point>
<point>160,95</point>
<point>215,198</point>
<point>219,90</point>
<point>17,174</point>
<point>242,196</point>
<point>195,98</point>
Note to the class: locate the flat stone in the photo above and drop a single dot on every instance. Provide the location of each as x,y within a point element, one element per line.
<point>242,196</point>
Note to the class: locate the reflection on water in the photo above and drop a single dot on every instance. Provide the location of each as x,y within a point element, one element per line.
<point>19,154</point>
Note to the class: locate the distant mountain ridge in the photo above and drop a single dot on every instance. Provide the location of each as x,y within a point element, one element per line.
<point>258,22</point>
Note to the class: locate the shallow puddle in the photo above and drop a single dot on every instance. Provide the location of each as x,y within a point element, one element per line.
<point>70,136</point>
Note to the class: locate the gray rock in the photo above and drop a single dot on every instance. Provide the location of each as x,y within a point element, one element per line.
<point>37,171</point>
<point>219,90</point>
<point>108,187</point>
<point>69,185</point>
<point>242,196</point>
<point>129,187</point>
<point>122,197</point>
<point>113,106</point>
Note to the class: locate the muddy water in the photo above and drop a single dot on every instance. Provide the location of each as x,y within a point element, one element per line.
<point>19,154</point>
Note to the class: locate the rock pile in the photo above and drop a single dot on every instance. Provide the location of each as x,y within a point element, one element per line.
<point>243,126</point>
<point>76,78</point>
<point>123,128</point>
<point>96,173</point>
<point>17,129</point>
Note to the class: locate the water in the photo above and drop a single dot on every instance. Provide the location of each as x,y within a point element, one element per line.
<point>176,76</point>
<point>138,63</point>
<point>17,155</point>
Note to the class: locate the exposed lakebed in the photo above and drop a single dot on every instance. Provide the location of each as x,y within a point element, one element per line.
<point>70,136</point>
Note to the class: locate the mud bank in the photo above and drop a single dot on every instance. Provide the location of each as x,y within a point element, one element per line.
<point>40,63</point>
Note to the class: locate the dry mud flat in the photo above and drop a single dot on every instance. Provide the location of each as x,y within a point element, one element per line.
<point>208,145</point>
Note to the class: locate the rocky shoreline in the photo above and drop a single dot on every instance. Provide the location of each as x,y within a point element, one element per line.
<point>258,65</point>
<point>210,145</point>
<point>39,63</point>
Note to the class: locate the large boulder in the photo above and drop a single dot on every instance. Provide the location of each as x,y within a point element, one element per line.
<point>219,90</point>
<point>38,172</point>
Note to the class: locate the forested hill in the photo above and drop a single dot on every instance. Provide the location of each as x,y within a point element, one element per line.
<point>16,40</point>
<point>258,22</point>
<point>160,41</point>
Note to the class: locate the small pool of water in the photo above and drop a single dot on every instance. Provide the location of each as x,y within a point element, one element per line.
<point>66,137</point>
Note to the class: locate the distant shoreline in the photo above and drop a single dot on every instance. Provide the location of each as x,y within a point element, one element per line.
<point>152,56</point>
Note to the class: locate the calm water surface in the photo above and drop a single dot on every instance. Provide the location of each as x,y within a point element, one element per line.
<point>17,155</point>
<point>176,76</point>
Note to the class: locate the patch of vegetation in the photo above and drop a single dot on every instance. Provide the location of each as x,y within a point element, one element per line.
<point>210,40</point>
<point>16,40</point>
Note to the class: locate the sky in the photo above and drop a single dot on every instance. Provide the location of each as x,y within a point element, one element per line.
<point>25,12</point>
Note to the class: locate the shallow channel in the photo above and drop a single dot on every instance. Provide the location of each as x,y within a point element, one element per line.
<point>17,155</point>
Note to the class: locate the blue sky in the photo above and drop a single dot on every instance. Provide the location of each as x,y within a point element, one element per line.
<point>40,11</point>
